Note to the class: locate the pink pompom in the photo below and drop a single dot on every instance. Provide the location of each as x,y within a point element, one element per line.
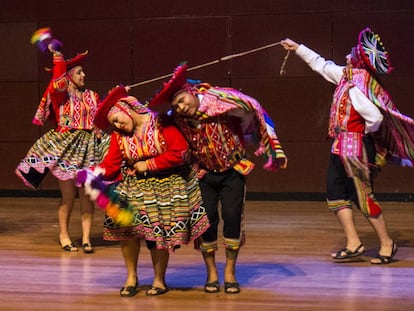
<point>102,200</point>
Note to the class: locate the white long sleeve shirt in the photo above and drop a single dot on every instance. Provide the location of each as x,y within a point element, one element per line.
<point>334,73</point>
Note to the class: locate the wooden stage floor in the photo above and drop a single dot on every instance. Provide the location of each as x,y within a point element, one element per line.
<point>285,264</point>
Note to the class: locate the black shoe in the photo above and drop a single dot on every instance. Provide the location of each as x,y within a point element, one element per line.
<point>212,287</point>
<point>69,247</point>
<point>231,287</point>
<point>384,260</point>
<point>129,291</point>
<point>346,253</point>
<point>87,248</point>
<point>155,291</point>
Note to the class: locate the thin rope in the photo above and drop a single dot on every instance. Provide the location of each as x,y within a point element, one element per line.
<point>283,67</point>
<point>224,58</point>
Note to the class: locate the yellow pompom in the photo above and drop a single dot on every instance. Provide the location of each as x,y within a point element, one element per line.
<point>124,218</point>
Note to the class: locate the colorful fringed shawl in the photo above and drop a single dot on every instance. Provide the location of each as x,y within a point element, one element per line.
<point>396,135</point>
<point>254,121</point>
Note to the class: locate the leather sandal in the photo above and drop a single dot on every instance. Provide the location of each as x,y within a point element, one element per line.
<point>231,287</point>
<point>384,260</point>
<point>155,291</point>
<point>345,253</point>
<point>212,287</point>
<point>128,291</point>
<point>69,247</point>
<point>87,248</point>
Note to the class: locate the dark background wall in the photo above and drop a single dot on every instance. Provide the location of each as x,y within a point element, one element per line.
<point>131,41</point>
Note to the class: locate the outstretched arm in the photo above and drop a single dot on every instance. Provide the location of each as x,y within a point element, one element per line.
<point>327,69</point>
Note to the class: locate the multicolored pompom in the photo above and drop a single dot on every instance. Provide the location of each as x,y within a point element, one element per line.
<point>41,35</point>
<point>104,196</point>
<point>42,38</point>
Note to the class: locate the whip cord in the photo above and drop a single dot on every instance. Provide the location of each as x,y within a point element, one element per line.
<point>224,58</point>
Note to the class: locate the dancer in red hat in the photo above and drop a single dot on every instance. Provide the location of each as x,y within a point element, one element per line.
<point>148,157</point>
<point>215,121</point>
<point>366,131</point>
<point>74,142</point>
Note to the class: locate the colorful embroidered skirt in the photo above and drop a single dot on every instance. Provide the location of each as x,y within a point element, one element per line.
<point>167,210</point>
<point>61,154</point>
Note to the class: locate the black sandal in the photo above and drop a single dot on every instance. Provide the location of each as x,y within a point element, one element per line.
<point>345,253</point>
<point>128,291</point>
<point>69,247</point>
<point>384,260</point>
<point>212,287</point>
<point>231,287</point>
<point>155,291</point>
<point>87,248</point>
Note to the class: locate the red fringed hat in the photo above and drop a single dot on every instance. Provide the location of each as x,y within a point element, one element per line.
<point>73,62</point>
<point>371,52</point>
<point>161,100</point>
<point>101,116</point>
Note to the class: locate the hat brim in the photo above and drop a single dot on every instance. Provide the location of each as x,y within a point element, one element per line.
<point>76,61</point>
<point>162,100</point>
<point>101,116</point>
<point>72,62</point>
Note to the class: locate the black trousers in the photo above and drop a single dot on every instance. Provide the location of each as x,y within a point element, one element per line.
<point>227,188</point>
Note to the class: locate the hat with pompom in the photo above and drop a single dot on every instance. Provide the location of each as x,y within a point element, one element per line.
<point>370,53</point>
